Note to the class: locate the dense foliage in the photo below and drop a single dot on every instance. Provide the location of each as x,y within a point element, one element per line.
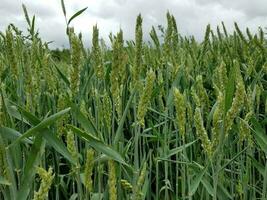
<point>172,118</point>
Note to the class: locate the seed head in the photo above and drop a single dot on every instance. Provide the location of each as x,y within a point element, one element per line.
<point>96,55</point>
<point>237,103</point>
<point>72,146</point>
<point>88,171</point>
<point>195,97</point>
<point>145,97</point>
<point>180,106</point>
<point>202,133</point>
<point>47,178</point>
<point>11,54</point>
<point>138,50</point>
<point>217,120</point>
<point>107,110</point>
<point>126,185</point>
<point>140,181</point>
<point>112,180</point>
<point>222,76</point>
<point>76,54</point>
<point>201,91</point>
<point>118,72</point>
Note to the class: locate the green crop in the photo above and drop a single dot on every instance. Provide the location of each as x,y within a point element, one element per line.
<point>169,118</point>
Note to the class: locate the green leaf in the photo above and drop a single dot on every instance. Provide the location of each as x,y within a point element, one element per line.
<point>87,85</point>
<point>30,169</point>
<point>13,111</point>
<point>259,134</point>
<point>50,137</point>
<point>230,88</point>
<point>54,142</point>
<point>98,145</point>
<point>233,158</point>
<point>257,165</point>
<point>12,134</point>
<point>76,14</point>
<point>122,120</point>
<point>86,123</point>
<point>74,196</point>
<point>179,149</point>
<point>97,196</point>
<point>3,181</point>
<point>43,124</point>
<point>222,192</point>
<point>207,185</point>
<point>32,25</point>
<point>64,78</point>
<point>196,181</point>
<point>63,7</point>
<point>28,116</point>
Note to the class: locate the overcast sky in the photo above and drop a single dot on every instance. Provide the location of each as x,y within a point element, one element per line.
<point>110,15</point>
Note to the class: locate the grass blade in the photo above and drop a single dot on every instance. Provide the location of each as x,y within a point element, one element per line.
<point>43,124</point>
<point>98,145</point>
<point>76,15</point>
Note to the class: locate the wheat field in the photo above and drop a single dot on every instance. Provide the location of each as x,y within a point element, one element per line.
<point>168,118</point>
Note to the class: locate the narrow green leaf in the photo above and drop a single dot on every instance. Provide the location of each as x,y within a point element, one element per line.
<point>3,181</point>
<point>13,111</point>
<point>123,118</point>
<point>196,181</point>
<point>207,185</point>
<point>32,25</point>
<point>222,192</point>
<point>230,88</point>
<point>29,117</point>
<point>30,169</point>
<point>86,123</point>
<point>179,149</point>
<point>43,124</point>
<point>12,134</point>
<point>259,134</point>
<point>63,7</point>
<point>257,165</point>
<point>54,142</point>
<point>50,137</point>
<point>87,85</point>
<point>76,14</point>
<point>233,158</point>
<point>97,196</point>
<point>98,145</point>
<point>74,196</point>
<point>64,78</point>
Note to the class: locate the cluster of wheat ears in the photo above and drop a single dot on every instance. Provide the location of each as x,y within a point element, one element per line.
<point>168,118</point>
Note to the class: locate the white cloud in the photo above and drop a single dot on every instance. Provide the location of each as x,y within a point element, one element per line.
<point>192,16</point>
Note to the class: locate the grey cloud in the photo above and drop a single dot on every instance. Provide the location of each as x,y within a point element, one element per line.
<point>49,19</point>
<point>251,9</point>
<point>191,15</point>
<point>14,8</point>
